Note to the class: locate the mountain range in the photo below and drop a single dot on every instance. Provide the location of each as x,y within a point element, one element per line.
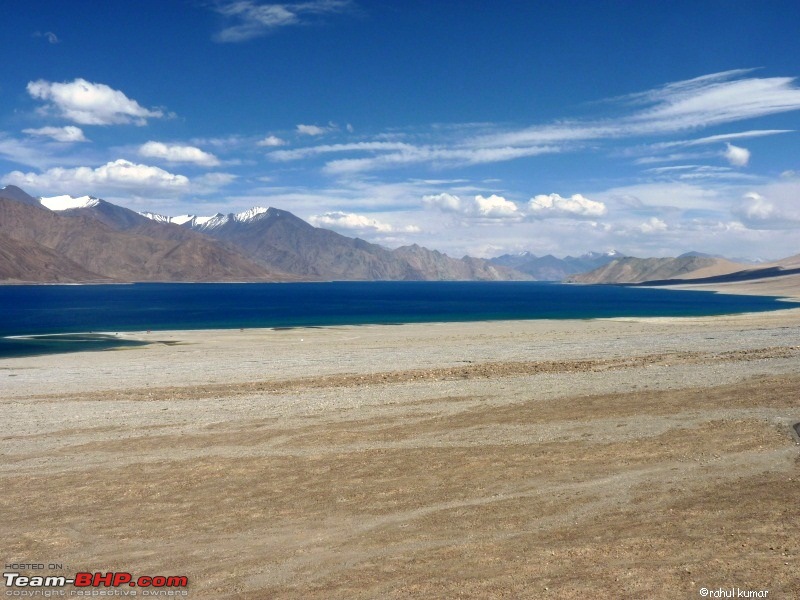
<point>86,239</point>
<point>65,239</point>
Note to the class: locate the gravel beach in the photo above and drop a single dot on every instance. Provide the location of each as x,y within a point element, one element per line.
<point>626,458</point>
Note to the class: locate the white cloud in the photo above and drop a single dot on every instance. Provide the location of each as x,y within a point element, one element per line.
<point>553,205</point>
<point>356,222</point>
<point>315,129</point>
<point>175,153</point>
<point>773,207</point>
<point>736,155</point>
<point>444,202</point>
<point>89,103</point>
<point>119,175</point>
<point>653,225</point>
<point>256,20</point>
<point>67,134</point>
<point>677,156</point>
<point>495,207</point>
<point>271,141</point>
<point>713,139</point>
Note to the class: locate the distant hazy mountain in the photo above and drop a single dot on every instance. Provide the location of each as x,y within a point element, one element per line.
<point>550,268</point>
<point>636,270</point>
<point>277,239</point>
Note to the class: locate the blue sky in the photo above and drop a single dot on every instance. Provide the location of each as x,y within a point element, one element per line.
<point>469,127</point>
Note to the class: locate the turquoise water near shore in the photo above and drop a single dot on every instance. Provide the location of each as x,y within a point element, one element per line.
<point>47,310</point>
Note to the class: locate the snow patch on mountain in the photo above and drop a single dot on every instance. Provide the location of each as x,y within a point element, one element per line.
<point>250,215</point>
<point>68,202</point>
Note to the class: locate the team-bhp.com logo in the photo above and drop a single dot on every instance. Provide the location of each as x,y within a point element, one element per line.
<point>96,580</point>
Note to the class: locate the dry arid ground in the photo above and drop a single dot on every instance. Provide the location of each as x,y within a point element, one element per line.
<point>623,458</point>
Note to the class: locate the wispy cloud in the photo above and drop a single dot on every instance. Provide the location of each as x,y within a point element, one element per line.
<point>254,20</point>
<point>685,105</point>
<point>300,153</point>
<point>671,109</point>
<point>437,156</point>
<point>725,137</point>
<point>68,134</point>
<point>51,37</point>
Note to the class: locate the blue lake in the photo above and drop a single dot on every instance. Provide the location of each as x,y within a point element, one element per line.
<point>44,310</point>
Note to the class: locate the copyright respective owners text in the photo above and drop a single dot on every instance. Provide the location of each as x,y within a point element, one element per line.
<point>53,580</point>
<point>732,592</point>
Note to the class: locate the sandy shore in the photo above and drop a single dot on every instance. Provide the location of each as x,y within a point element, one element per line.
<point>624,458</point>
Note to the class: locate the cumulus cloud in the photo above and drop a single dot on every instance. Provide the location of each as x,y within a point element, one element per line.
<point>271,141</point>
<point>119,175</point>
<point>444,202</point>
<point>653,225</point>
<point>175,153</point>
<point>89,103</point>
<point>256,20</point>
<point>67,134</point>
<point>497,207</point>
<point>553,205</point>
<point>737,156</point>
<point>356,222</point>
<point>493,207</point>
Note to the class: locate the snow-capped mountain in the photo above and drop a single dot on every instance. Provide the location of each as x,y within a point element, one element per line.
<point>279,240</point>
<point>212,222</point>
<point>80,239</point>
